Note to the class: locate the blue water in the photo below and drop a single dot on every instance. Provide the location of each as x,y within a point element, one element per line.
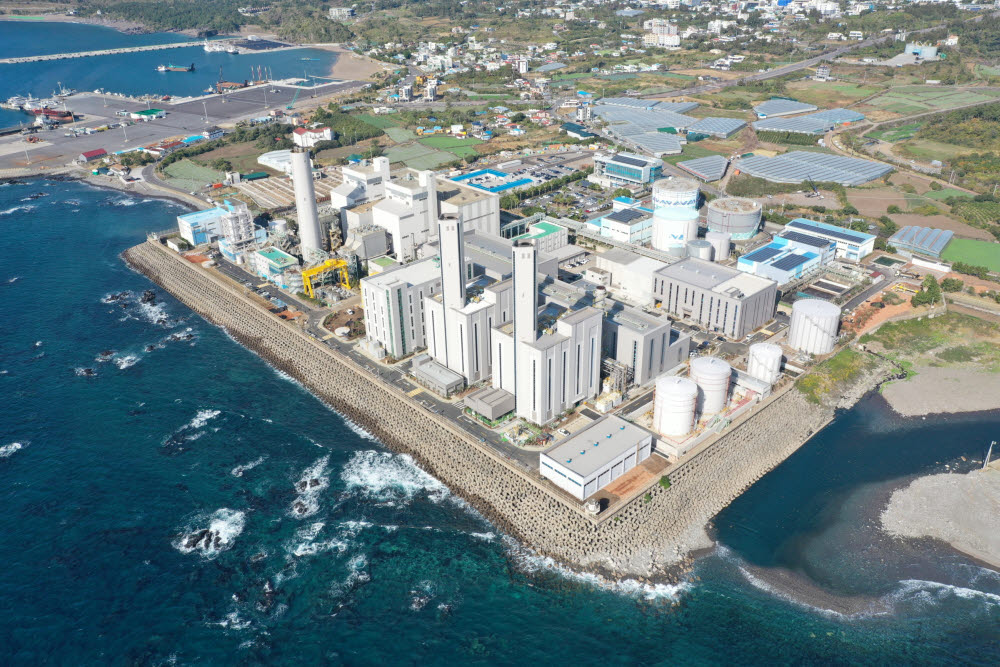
<point>102,478</point>
<point>133,73</point>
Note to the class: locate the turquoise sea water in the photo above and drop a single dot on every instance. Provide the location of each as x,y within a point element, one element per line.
<point>104,478</point>
<point>132,73</point>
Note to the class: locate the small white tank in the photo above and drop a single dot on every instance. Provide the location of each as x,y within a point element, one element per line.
<point>764,362</point>
<point>814,325</point>
<point>700,250</point>
<point>278,227</point>
<point>721,241</point>
<point>712,375</point>
<point>674,406</point>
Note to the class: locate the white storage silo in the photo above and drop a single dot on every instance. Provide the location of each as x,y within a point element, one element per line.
<point>673,227</point>
<point>670,192</point>
<point>674,405</point>
<point>736,216</point>
<point>814,326</point>
<point>712,375</point>
<point>721,242</point>
<point>700,250</point>
<point>764,362</point>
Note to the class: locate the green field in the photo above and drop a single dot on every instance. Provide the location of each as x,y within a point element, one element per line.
<point>908,100</point>
<point>381,122</point>
<point>418,156</point>
<point>400,135</point>
<point>925,149</point>
<point>459,147</point>
<point>946,193</point>
<point>189,176</point>
<point>897,133</point>
<point>825,94</point>
<point>691,151</point>
<point>978,253</point>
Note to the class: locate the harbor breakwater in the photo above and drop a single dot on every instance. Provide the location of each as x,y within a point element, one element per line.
<point>645,537</point>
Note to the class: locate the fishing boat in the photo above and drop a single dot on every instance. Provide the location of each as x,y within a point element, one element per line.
<point>175,68</point>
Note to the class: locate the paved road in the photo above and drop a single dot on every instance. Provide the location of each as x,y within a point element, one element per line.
<point>890,278</point>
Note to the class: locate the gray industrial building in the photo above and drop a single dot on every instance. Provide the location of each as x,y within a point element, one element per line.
<point>716,297</point>
<point>645,343</point>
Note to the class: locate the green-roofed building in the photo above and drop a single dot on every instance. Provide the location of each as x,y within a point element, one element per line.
<point>548,237</point>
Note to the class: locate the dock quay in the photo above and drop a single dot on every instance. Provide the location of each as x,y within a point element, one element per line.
<point>645,535</point>
<point>102,52</point>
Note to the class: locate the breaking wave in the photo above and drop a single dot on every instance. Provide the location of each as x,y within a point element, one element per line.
<point>25,208</point>
<point>126,361</point>
<point>201,418</point>
<point>389,478</point>
<point>224,526</point>
<point>240,469</point>
<point>934,592</point>
<point>9,450</point>
<point>314,480</point>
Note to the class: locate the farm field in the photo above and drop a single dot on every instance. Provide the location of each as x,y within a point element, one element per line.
<point>908,100</point>
<point>896,133</point>
<point>691,151</point>
<point>979,212</point>
<point>399,134</point>
<point>381,122</point>
<point>979,253</point>
<point>828,95</point>
<point>925,149</point>
<point>459,147</point>
<point>190,176</point>
<point>418,156</point>
<point>947,193</point>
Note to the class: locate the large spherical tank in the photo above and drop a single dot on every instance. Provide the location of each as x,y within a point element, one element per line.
<point>814,326</point>
<point>712,376</point>
<point>700,250</point>
<point>721,243</point>
<point>764,362</point>
<point>738,217</point>
<point>674,226</point>
<point>674,406</point>
<point>675,192</point>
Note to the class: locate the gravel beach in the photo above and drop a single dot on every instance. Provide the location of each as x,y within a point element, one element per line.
<point>944,389</point>
<point>960,509</point>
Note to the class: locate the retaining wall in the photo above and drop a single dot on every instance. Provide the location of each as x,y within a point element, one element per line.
<point>642,537</point>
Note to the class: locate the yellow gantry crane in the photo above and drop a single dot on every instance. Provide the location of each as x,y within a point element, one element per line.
<point>321,272</point>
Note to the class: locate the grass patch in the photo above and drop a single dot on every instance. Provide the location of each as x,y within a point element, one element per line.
<point>381,122</point>
<point>947,193</point>
<point>454,145</point>
<point>979,253</point>
<point>400,135</point>
<point>952,338</point>
<point>897,133</point>
<point>691,151</point>
<point>190,176</point>
<point>836,372</point>
<point>925,149</point>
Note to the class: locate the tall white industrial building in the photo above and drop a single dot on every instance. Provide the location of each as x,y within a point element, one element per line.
<point>310,236</point>
<point>551,371</point>
<point>395,322</point>
<point>361,184</point>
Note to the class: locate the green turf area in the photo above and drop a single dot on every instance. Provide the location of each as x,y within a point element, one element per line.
<point>381,122</point>
<point>490,96</point>
<point>189,176</point>
<point>897,133</point>
<point>567,77</point>
<point>947,193</point>
<point>977,212</point>
<point>925,149</point>
<point>459,147</point>
<point>691,151</point>
<point>977,253</point>
<point>399,134</point>
<point>418,156</point>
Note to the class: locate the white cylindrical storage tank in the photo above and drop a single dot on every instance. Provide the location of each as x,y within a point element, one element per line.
<point>712,375</point>
<point>670,192</point>
<point>700,250</point>
<point>721,243</point>
<point>673,227</point>
<point>279,227</point>
<point>814,326</point>
<point>674,406</point>
<point>764,362</point>
<point>736,216</point>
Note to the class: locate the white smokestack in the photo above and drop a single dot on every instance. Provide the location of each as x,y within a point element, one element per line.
<point>525,292</point>
<point>452,245</point>
<point>305,204</point>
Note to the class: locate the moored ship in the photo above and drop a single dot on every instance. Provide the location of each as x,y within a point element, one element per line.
<point>175,68</point>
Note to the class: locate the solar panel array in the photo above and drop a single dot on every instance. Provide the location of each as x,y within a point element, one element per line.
<point>635,162</point>
<point>720,127</point>
<point>763,254</point>
<point>626,215</point>
<point>807,239</point>
<point>779,107</point>
<point>844,235</point>
<point>709,168</point>
<point>925,240</point>
<point>790,261</point>
<point>798,166</point>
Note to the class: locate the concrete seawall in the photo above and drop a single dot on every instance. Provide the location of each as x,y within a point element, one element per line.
<point>642,537</point>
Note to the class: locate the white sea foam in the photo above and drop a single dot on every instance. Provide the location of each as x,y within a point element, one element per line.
<point>314,480</point>
<point>360,431</point>
<point>9,450</point>
<point>126,361</point>
<point>306,544</point>
<point>125,202</point>
<point>389,477</point>
<point>352,528</point>
<point>934,592</point>
<point>84,372</point>
<point>232,621</point>
<point>24,208</point>
<point>240,469</point>
<point>223,527</point>
<point>13,279</point>
<point>154,313</point>
<point>485,537</point>
<point>201,418</point>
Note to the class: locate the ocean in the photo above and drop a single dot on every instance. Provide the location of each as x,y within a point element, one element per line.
<point>131,73</point>
<point>128,428</point>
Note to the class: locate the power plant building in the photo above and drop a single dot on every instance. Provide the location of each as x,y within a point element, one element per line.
<point>361,184</point>
<point>851,245</point>
<point>646,344</point>
<point>625,170</point>
<point>395,323</point>
<point>592,458</point>
<point>814,325</point>
<point>716,297</point>
<point>736,216</point>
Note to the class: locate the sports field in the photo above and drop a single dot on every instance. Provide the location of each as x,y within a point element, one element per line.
<point>455,145</point>
<point>977,253</point>
<point>418,156</point>
<point>400,135</point>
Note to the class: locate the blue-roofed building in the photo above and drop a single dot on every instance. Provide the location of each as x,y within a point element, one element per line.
<point>781,261</point>
<point>201,226</point>
<point>851,245</point>
<point>625,170</point>
<point>926,241</point>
